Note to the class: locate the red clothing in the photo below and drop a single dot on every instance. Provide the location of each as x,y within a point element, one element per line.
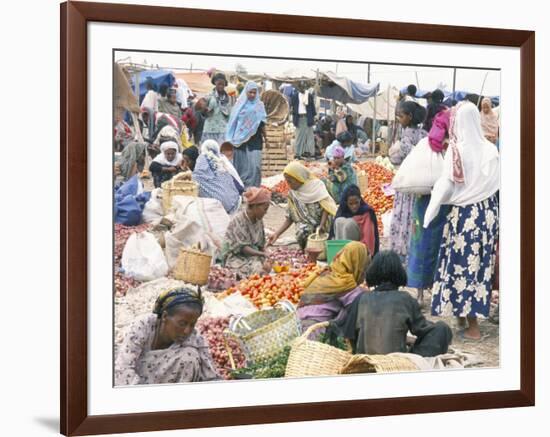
<point>367,231</point>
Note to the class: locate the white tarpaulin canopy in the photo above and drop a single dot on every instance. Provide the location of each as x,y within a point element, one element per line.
<point>385,105</point>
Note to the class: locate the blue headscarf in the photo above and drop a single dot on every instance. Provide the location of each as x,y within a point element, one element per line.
<point>246,116</point>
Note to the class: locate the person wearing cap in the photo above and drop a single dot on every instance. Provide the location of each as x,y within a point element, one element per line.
<point>166,164</point>
<point>218,109</point>
<point>340,174</point>
<point>244,244</point>
<point>170,104</point>
<point>163,347</point>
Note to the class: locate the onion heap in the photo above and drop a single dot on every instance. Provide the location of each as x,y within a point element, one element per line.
<point>211,328</point>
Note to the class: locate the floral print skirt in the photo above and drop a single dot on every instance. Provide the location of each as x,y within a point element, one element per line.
<point>463,281</point>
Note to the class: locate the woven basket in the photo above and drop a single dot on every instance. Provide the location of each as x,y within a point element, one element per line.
<point>179,185</point>
<point>317,241</point>
<point>263,334</point>
<point>378,364</point>
<point>363,181</point>
<point>313,358</point>
<point>192,266</point>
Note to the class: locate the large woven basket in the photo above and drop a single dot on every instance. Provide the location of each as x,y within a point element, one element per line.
<point>313,358</point>
<point>264,334</point>
<point>378,364</point>
<point>179,185</point>
<point>193,266</point>
<point>317,241</point>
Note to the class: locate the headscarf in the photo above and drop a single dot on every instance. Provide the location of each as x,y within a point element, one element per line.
<point>338,152</point>
<point>161,158</point>
<point>255,195</point>
<point>364,208</point>
<point>345,273</point>
<point>312,189</point>
<point>417,112</point>
<point>489,122</point>
<point>177,296</point>
<point>131,155</point>
<point>471,171</point>
<point>246,116</point>
<point>218,161</point>
<point>439,130</point>
<point>192,153</point>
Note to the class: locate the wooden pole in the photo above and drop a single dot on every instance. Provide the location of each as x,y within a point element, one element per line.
<point>454,82</point>
<point>374,125</point>
<point>368,73</point>
<point>482,86</point>
<point>388,113</point>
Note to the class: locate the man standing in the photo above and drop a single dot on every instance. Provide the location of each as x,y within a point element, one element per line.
<point>303,117</point>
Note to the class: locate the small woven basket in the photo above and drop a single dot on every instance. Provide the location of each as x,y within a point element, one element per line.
<point>179,185</point>
<point>193,266</point>
<point>317,241</point>
<point>263,334</point>
<point>313,358</point>
<point>378,364</point>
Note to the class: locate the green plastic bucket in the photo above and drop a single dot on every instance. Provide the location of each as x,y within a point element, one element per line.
<point>333,247</point>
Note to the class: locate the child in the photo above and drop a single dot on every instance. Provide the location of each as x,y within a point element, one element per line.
<point>340,174</point>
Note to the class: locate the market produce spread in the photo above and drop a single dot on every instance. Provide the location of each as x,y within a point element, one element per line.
<point>265,291</point>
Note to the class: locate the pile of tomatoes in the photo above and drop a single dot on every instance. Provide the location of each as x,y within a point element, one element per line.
<point>267,290</point>
<point>281,187</point>
<point>375,197</point>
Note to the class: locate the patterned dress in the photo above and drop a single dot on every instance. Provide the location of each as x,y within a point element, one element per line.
<point>242,232</point>
<point>338,180</point>
<point>137,363</point>
<point>306,218</point>
<point>463,281</point>
<point>215,123</point>
<point>401,222</point>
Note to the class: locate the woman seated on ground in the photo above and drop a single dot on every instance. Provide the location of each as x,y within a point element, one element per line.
<point>166,164</point>
<point>345,140</point>
<point>309,204</point>
<point>340,174</point>
<point>328,294</point>
<point>163,347</point>
<point>216,177</point>
<point>379,320</point>
<point>356,220</point>
<point>244,244</point>
<point>190,156</point>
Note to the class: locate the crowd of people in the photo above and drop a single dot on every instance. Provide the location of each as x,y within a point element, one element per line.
<point>445,241</point>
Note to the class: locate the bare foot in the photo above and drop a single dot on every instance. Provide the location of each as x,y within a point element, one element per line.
<point>471,334</point>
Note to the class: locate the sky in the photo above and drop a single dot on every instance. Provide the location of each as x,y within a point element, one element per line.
<point>486,82</point>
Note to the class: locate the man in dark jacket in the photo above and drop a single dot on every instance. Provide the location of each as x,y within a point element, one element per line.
<point>303,116</point>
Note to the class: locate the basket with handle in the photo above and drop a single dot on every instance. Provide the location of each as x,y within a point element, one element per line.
<point>263,334</point>
<point>378,364</point>
<point>317,241</point>
<point>180,185</point>
<point>193,265</point>
<point>313,358</point>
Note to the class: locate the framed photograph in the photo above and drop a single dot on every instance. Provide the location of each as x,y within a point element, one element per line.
<point>253,205</point>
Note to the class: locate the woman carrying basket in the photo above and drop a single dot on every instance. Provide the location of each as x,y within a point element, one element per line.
<point>163,347</point>
<point>310,206</point>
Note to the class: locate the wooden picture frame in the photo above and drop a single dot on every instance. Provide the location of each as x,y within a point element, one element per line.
<point>74,210</point>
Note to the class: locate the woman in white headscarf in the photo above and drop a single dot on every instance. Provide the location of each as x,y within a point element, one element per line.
<point>167,163</point>
<point>217,178</point>
<point>470,181</point>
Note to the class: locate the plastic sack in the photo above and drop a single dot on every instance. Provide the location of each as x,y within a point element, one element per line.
<point>185,233</point>
<point>142,258</point>
<point>386,222</point>
<point>419,171</point>
<point>152,212</point>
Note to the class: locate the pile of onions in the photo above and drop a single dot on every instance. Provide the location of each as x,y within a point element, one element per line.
<point>122,233</point>
<point>211,328</point>
<point>221,278</point>
<point>294,258</point>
